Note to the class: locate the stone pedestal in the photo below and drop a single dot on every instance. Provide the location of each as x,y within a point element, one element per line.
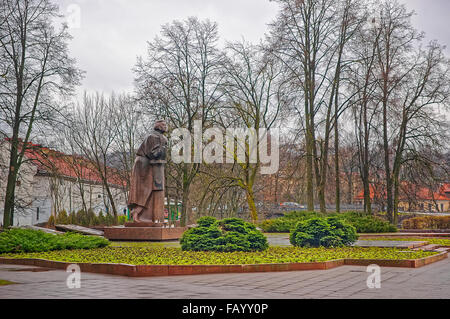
<point>138,232</point>
<point>151,224</point>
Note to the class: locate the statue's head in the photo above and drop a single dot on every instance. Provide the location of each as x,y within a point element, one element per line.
<point>160,126</point>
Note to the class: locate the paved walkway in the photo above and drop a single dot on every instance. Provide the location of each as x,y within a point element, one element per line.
<point>432,281</point>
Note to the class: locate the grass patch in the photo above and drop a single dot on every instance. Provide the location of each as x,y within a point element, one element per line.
<point>145,244</point>
<point>175,256</point>
<point>29,240</point>
<point>434,241</point>
<point>363,223</point>
<point>6,282</point>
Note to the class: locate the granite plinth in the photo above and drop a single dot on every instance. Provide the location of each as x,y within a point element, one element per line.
<point>144,224</point>
<point>143,233</point>
<point>152,224</point>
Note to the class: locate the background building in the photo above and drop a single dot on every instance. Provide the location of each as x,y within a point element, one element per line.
<point>51,181</point>
<point>414,198</point>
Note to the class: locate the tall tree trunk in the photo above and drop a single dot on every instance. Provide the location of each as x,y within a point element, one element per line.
<point>336,165</point>
<point>8,211</point>
<point>8,215</point>
<point>185,195</point>
<point>111,200</point>
<point>387,165</point>
<point>251,204</point>
<point>396,199</point>
<point>366,170</point>
<point>309,165</point>
<point>184,207</point>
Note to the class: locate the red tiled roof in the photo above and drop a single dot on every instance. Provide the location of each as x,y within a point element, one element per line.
<point>73,166</point>
<point>421,193</point>
<point>446,188</point>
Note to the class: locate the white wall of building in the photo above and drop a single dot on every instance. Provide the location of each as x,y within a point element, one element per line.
<point>41,195</point>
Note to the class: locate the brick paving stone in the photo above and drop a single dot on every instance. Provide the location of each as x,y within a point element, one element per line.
<point>432,281</point>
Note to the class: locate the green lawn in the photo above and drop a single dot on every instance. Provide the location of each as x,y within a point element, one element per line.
<point>175,256</point>
<point>436,241</point>
<point>147,244</point>
<point>6,282</point>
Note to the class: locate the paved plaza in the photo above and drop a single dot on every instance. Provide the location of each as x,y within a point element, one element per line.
<point>432,281</point>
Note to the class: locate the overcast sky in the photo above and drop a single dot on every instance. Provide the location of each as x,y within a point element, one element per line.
<point>112,33</point>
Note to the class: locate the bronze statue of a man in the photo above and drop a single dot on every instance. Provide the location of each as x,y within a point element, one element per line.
<point>146,198</point>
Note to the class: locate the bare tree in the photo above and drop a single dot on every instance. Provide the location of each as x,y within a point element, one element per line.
<point>363,81</point>
<point>396,39</point>
<point>77,163</point>
<point>310,38</point>
<point>424,89</point>
<point>253,99</point>
<point>298,38</point>
<point>94,132</point>
<point>179,82</point>
<point>411,83</point>
<point>35,68</point>
<point>132,124</point>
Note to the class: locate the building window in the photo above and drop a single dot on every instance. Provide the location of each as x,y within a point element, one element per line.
<point>37,213</point>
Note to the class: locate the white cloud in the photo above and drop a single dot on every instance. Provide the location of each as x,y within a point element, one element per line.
<point>113,33</point>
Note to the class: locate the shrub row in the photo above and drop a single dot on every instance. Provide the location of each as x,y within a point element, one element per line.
<point>86,219</point>
<point>278,225</point>
<point>29,240</point>
<point>427,222</point>
<point>363,223</point>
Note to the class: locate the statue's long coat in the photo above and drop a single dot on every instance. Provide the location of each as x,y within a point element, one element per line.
<point>148,170</point>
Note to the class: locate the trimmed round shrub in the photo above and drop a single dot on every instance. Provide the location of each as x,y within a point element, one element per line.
<point>363,222</point>
<point>206,221</point>
<point>229,234</point>
<point>326,232</point>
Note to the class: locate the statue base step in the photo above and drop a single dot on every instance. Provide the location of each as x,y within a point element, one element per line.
<point>137,233</point>
<point>151,224</point>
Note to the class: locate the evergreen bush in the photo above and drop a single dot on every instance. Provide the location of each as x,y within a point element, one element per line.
<point>326,232</point>
<point>229,234</point>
